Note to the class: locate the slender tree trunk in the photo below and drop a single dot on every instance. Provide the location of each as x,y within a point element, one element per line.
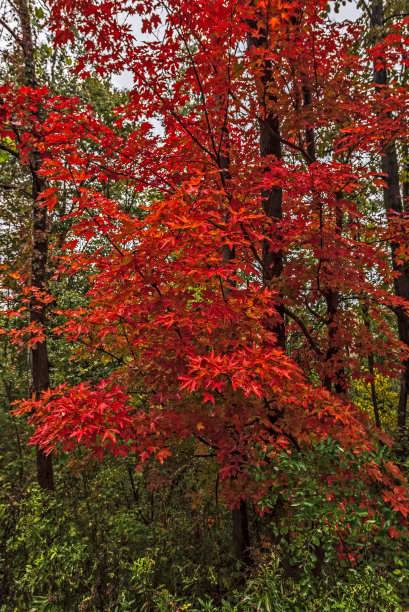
<point>241,533</point>
<point>332,301</point>
<point>272,198</point>
<point>40,364</point>
<point>240,524</point>
<point>393,204</point>
<point>272,260</point>
<point>39,353</point>
<point>331,296</point>
<point>371,364</point>
<point>405,181</point>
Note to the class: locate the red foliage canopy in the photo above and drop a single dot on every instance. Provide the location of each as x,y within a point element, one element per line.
<point>196,330</point>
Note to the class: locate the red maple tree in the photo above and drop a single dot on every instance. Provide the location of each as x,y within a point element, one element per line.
<point>235,299</point>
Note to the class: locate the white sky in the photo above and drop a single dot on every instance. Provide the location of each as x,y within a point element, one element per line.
<point>125,79</point>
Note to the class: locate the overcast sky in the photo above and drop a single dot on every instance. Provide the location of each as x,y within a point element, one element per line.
<point>125,79</point>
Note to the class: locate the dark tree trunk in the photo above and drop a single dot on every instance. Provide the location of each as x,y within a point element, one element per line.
<point>39,354</point>
<point>272,198</point>
<point>330,294</point>
<point>241,534</point>
<point>240,525</point>
<point>393,204</point>
<point>332,298</point>
<point>272,260</point>
<point>39,357</point>
<point>405,181</point>
<point>371,364</point>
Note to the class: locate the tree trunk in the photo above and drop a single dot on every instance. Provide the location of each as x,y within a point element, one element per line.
<point>331,296</point>
<point>39,357</point>
<point>393,204</point>
<point>272,198</point>
<point>272,261</point>
<point>39,354</point>
<point>241,534</point>
<point>240,525</point>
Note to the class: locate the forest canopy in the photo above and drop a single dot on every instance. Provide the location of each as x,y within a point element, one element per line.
<point>205,305</point>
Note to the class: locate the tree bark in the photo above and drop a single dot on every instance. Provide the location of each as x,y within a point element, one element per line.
<point>241,534</point>
<point>240,524</point>
<point>272,198</point>
<point>331,296</point>
<point>39,353</point>
<point>393,204</point>
<point>272,260</point>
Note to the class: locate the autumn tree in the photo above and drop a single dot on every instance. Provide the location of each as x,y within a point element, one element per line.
<point>19,28</point>
<point>29,68</point>
<point>230,303</point>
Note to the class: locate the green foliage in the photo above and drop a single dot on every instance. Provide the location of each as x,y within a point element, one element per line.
<point>110,539</point>
<point>269,591</point>
<point>323,516</point>
<point>387,394</point>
